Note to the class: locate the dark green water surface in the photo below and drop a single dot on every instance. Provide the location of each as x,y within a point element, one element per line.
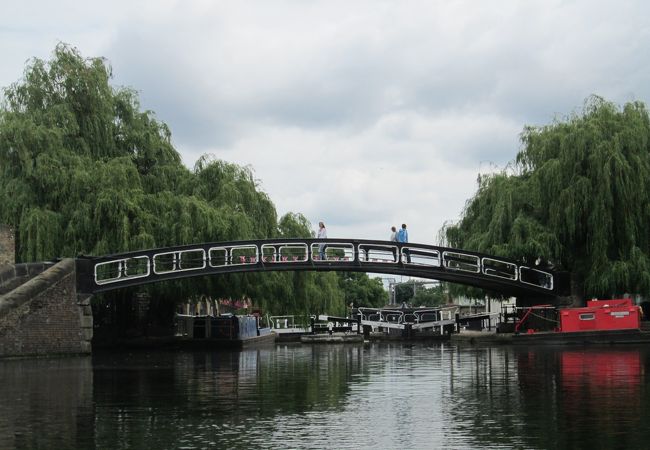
<point>373,395</point>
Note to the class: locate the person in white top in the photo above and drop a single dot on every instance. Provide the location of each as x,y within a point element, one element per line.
<point>322,234</point>
<point>393,238</point>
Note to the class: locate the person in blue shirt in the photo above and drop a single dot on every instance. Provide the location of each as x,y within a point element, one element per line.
<point>403,237</point>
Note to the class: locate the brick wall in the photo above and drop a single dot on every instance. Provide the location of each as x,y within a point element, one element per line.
<point>45,316</point>
<point>7,245</point>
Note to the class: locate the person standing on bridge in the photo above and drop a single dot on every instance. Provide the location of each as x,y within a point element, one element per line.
<point>393,238</point>
<point>322,234</point>
<point>403,237</point>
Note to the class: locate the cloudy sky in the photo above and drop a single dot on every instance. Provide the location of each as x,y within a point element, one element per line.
<point>364,114</point>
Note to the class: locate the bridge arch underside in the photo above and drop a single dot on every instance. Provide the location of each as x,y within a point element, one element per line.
<point>101,274</point>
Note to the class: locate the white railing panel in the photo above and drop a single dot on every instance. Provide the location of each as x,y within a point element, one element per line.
<point>535,277</point>
<point>461,262</point>
<point>334,251</point>
<point>499,269</point>
<point>179,261</point>
<point>420,256</point>
<point>284,252</point>
<point>244,255</point>
<point>378,253</point>
<point>121,269</point>
<point>218,256</point>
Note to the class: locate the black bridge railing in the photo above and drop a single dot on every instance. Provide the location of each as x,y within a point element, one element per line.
<point>98,274</point>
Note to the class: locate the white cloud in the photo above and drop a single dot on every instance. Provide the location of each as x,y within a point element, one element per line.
<point>364,114</point>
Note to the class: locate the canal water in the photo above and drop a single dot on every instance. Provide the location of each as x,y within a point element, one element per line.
<point>292,396</point>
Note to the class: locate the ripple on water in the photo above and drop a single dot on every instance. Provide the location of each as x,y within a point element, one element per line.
<point>385,395</point>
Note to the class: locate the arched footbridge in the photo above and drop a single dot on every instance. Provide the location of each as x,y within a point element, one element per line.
<point>105,273</point>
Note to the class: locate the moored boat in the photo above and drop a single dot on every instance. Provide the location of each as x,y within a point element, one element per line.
<point>599,322</point>
<point>225,330</point>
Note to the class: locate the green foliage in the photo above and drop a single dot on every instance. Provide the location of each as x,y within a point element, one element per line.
<point>84,171</point>
<point>295,226</point>
<point>361,290</point>
<point>430,296</point>
<point>416,293</point>
<point>578,199</point>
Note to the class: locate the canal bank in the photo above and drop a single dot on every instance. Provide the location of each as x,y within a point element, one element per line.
<point>608,337</point>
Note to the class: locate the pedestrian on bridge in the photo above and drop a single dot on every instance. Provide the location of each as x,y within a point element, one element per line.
<point>322,234</point>
<point>393,234</point>
<point>403,237</point>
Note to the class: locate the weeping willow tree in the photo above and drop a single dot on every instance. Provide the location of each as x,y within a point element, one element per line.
<point>83,170</point>
<point>578,199</point>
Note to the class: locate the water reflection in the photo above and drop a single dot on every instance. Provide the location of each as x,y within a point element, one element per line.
<point>383,395</point>
<point>199,399</point>
<point>46,403</point>
<point>600,396</point>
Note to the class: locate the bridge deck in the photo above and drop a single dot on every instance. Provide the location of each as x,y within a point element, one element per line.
<point>98,274</point>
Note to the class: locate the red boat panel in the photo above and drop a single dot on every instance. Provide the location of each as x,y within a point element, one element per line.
<point>601,315</point>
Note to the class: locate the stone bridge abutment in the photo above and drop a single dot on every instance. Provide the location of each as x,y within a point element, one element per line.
<point>44,315</point>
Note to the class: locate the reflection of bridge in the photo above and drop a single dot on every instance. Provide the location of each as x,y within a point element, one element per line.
<point>105,273</point>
